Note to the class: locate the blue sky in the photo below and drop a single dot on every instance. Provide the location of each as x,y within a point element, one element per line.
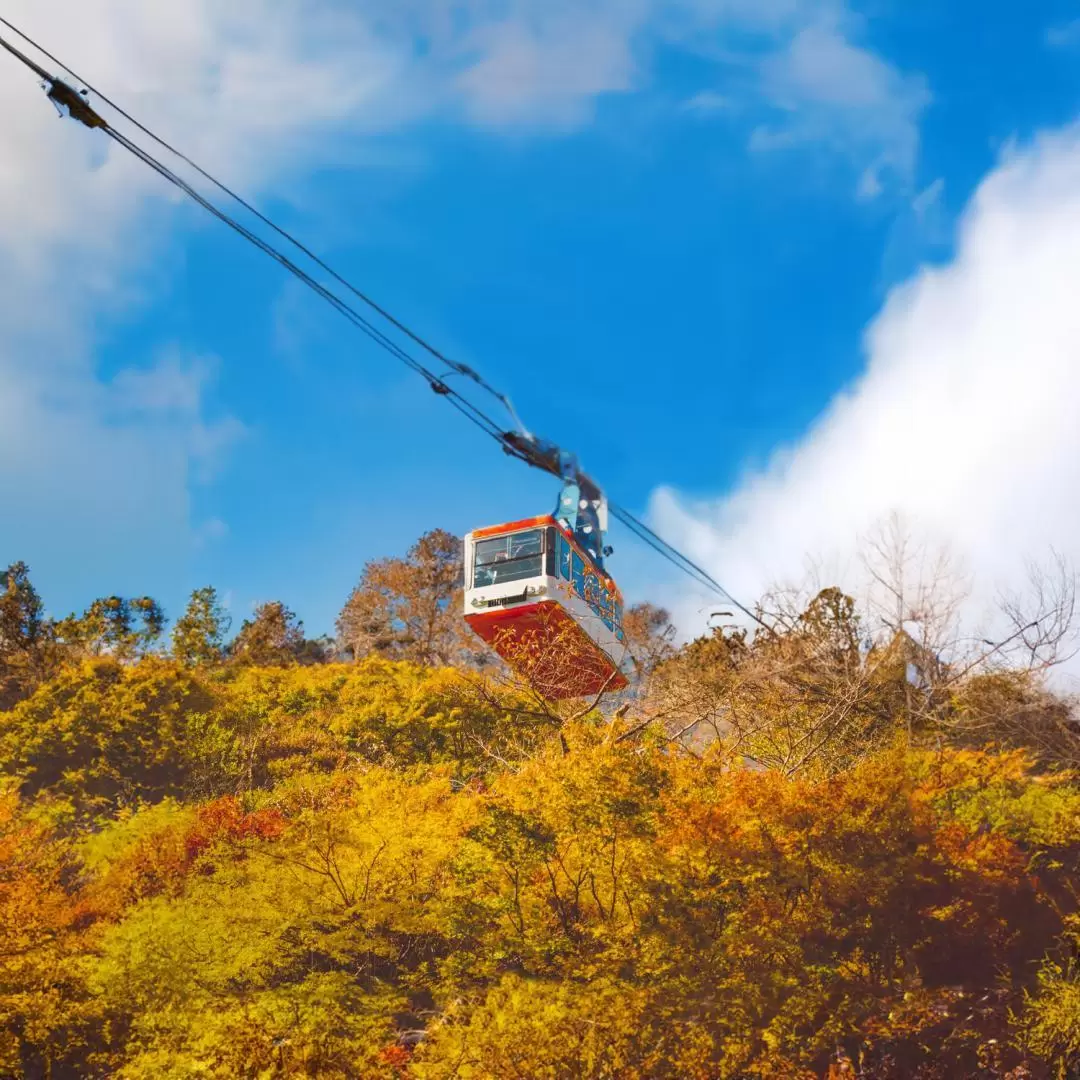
<point>663,229</point>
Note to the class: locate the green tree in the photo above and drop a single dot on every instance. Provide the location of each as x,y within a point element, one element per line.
<point>114,626</point>
<point>22,620</point>
<point>199,635</point>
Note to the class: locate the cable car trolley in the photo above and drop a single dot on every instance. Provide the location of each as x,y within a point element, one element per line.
<point>538,593</point>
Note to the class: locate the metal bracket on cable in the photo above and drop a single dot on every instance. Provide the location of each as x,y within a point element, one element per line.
<point>60,93</point>
<point>78,108</point>
<point>582,506</point>
<point>467,372</point>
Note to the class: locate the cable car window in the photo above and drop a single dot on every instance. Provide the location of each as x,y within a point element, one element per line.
<point>592,591</point>
<point>509,558</point>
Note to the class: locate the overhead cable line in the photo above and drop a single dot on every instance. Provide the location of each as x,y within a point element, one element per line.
<point>365,326</point>
<point>514,444</point>
<point>678,559</point>
<point>455,365</point>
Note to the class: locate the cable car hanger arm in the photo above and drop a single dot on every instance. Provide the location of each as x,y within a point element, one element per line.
<point>582,506</point>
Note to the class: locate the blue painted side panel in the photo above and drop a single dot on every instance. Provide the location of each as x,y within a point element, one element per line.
<point>565,555</point>
<point>586,584</point>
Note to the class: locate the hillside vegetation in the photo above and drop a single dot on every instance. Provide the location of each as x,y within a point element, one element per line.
<point>827,849</point>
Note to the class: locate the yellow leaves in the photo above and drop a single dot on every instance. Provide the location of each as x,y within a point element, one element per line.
<point>1050,1025</point>
<point>104,734</point>
<point>382,855</point>
<point>319,1027</point>
<point>268,725</point>
<point>548,1030</point>
<point>379,870</point>
<point>1003,792</point>
<point>297,946</point>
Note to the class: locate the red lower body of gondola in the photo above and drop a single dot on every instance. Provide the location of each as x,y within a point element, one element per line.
<point>547,646</point>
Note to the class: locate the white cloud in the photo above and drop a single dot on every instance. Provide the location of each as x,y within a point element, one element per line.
<point>927,204</point>
<point>172,388</point>
<point>922,225</point>
<point>831,92</point>
<point>546,63</point>
<point>709,101</point>
<point>548,69</point>
<point>966,421</point>
<point>210,531</point>
<point>171,398</point>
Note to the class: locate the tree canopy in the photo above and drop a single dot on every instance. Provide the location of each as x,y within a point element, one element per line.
<point>199,635</point>
<point>817,851</point>
<point>408,608</point>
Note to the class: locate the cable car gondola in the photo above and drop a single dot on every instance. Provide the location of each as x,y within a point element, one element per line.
<point>537,592</point>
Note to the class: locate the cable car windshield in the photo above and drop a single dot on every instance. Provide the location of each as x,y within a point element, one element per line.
<point>509,558</point>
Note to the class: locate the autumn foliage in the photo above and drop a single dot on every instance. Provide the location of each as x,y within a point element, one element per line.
<point>212,867</point>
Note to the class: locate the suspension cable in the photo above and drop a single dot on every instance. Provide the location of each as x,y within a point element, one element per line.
<point>63,94</point>
<point>461,369</point>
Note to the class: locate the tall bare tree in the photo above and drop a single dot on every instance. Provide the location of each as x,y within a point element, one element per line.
<point>410,608</point>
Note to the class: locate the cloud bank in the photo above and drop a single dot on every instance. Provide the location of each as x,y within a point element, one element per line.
<point>966,420</point>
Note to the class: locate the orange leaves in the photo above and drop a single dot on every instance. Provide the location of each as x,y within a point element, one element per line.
<point>225,820</point>
<point>809,905</point>
<point>157,850</point>
<point>409,609</point>
<point>42,1006</point>
<point>34,909</point>
<point>396,1058</point>
<point>991,855</point>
